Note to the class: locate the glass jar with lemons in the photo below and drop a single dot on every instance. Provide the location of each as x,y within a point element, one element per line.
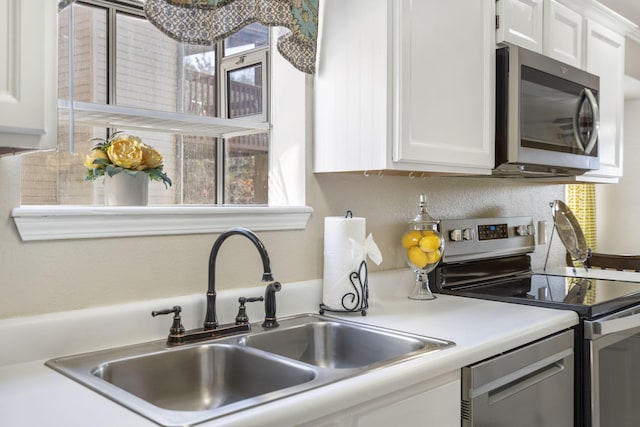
<point>423,247</point>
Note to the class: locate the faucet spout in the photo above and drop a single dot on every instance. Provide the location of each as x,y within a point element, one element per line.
<point>210,320</point>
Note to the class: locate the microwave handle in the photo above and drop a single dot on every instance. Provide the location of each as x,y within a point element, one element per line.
<point>588,95</point>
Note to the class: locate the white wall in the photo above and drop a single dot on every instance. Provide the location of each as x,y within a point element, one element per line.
<point>617,205</point>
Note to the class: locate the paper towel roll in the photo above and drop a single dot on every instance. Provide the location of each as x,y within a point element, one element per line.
<point>342,239</point>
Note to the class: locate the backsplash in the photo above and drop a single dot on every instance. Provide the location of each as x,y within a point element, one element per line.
<point>389,202</point>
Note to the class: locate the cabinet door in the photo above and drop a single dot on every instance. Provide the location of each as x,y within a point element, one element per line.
<point>351,129</point>
<point>562,33</point>
<point>28,74</point>
<point>605,58</point>
<point>444,89</point>
<point>439,407</point>
<point>435,402</point>
<point>520,23</point>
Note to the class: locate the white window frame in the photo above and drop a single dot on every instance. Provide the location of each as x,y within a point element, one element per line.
<point>287,209</point>
<point>236,62</point>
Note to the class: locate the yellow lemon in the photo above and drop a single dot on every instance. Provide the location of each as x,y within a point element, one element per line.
<point>433,257</point>
<point>429,242</point>
<point>412,238</point>
<point>417,257</point>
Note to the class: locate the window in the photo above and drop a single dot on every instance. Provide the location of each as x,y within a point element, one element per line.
<point>109,55</point>
<point>57,202</point>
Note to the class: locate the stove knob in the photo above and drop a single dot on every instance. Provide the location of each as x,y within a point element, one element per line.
<point>522,230</point>
<point>455,235</point>
<point>468,234</point>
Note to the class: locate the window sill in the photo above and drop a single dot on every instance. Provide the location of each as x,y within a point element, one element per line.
<point>88,222</point>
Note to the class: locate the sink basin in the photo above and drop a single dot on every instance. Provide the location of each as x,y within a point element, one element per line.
<point>201,378</point>
<point>196,382</point>
<point>330,344</point>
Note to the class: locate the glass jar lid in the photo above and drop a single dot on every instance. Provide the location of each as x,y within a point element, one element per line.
<point>423,216</point>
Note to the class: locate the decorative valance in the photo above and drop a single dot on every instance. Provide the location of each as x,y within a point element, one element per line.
<point>206,21</point>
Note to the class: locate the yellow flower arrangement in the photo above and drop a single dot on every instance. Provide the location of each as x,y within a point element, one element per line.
<point>124,153</point>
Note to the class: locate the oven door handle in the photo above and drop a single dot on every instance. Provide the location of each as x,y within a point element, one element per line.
<point>597,328</point>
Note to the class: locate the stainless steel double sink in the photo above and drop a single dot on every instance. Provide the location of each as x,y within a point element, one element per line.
<point>197,382</point>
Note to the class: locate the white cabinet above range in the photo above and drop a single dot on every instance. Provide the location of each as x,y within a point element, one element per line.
<point>519,22</point>
<point>563,35</point>
<point>391,95</point>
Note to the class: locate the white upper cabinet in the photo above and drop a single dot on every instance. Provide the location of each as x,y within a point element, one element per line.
<point>605,58</point>
<point>28,75</point>
<point>563,33</point>
<point>392,95</point>
<point>520,22</point>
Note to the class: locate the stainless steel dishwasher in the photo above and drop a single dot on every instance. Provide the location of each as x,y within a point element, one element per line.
<point>531,386</point>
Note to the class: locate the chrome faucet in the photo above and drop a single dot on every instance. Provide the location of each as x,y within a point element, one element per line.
<point>210,320</point>
<point>211,329</point>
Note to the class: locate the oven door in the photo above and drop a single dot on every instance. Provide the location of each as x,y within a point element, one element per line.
<point>614,344</point>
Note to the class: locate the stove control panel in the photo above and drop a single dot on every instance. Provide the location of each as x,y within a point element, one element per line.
<point>493,231</point>
<point>477,238</point>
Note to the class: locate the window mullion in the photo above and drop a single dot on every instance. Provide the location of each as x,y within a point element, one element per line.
<point>111,56</point>
<point>222,111</point>
<point>220,168</point>
<point>180,108</point>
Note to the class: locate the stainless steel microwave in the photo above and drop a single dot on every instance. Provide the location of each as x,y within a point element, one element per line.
<point>547,116</point>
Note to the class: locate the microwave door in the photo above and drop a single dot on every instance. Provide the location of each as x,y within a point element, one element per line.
<point>594,122</point>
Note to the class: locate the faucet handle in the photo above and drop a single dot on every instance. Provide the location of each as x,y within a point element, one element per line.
<point>176,326</point>
<point>241,317</point>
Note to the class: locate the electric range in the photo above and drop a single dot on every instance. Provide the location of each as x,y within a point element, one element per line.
<point>489,258</point>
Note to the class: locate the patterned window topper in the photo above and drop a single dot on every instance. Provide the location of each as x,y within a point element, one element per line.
<point>206,21</point>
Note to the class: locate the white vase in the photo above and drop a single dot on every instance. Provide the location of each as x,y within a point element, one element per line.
<point>126,190</point>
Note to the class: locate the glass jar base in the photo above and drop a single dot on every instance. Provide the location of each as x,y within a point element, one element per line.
<point>421,297</point>
<point>422,294</point>
<point>421,290</point>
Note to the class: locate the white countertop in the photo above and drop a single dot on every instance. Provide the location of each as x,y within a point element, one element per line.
<point>34,395</point>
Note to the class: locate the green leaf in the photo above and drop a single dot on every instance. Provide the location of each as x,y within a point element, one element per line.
<point>113,170</point>
<point>156,174</point>
<point>103,162</point>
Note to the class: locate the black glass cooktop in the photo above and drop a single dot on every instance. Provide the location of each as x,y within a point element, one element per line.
<point>590,298</point>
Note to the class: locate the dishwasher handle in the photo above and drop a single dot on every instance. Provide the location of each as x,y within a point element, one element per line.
<point>516,381</point>
<point>525,382</point>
